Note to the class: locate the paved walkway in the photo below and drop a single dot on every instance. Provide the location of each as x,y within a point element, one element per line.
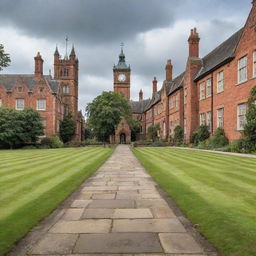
<point>118,211</point>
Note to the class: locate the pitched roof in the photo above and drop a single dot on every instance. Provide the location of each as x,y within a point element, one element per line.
<point>138,107</point>
<point>9,81</point>
<point>175,84</point>
<point>220,55</point>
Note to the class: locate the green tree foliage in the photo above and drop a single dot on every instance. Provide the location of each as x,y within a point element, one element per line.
<point>178,135</point>
<point>201,134</point>
<point>153,132</point>
<point>250,127</point>
<point>218,139</point>
<point>105,113</point>
<point>4,58</point>
<point>18,128</point>
<point>135,128</point>
<point>67,128</point>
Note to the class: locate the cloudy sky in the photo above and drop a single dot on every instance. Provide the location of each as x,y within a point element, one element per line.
<point>152,31</point>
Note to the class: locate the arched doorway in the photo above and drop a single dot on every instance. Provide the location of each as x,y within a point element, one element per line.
<point>122,138</point>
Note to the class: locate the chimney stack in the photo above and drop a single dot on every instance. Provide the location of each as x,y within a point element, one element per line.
<point>154,85</point>
<point>168,69</point>
<point>193,41</point>
<point>141,95</point>
<point>38,66</point>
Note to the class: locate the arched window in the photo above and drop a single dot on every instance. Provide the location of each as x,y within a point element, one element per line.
<point>65,89</point>
<point>65,72</point>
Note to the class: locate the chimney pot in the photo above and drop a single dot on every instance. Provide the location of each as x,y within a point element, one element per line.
<point>38,66</point>
<point>168,69</point>
<point>154,85</point>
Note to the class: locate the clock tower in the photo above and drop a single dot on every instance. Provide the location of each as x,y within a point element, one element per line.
<point>122,74</point>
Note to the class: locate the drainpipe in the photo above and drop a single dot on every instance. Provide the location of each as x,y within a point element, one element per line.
<point>212,103</point>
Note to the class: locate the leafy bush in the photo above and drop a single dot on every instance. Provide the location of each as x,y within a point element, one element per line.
<point>242,145</point>
<point>158,143</point>
<point>178,135</point>
<point>52,142</point>
<point>153,132</point>
<point>201,134</point>
<point>30,147</point>
<point>218,139</point>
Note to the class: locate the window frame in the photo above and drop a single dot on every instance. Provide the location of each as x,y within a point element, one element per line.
<point>254,64</point>
<point>202,119</point>
<point>239,115</point>
<point>202,91</point>
<point>241,68</point>
<point>38,105</point>
<point>1,102</point>
<point>220,81</point>
<point>208,88</point>
<point>220,124</point>
<point>185,95</point>
<point>209,120</point>
<point>23,104</point>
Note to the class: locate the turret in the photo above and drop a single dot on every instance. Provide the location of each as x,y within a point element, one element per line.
<point>141,95</point>
<point>38,66</point>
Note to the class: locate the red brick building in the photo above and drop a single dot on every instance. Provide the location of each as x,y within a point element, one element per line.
<point>213,90</point>
<point>52,97</point>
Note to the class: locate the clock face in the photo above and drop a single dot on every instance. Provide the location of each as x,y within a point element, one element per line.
<point>121,77</point>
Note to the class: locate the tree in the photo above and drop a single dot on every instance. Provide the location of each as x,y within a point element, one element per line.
<point>178,135</point>
<point>135,128</point>
<point>250,127</point>
<point>153,132</point>
<point>31,125</point>
<point>201,134</point>
<point>105,113</point>
<point>67,128</point>
<point>4,58</point>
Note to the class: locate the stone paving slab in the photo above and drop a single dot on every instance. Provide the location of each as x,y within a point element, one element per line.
<point>117,211</point>
<point>118,243</point>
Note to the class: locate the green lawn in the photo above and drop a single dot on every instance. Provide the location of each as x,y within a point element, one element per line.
<point>34,182</point>
<point>216,191</point>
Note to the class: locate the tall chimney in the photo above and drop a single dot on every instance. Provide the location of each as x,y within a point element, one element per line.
<point>141,95</point>
<point>154,85</point>
<point>168,69</point>
<point>193,41</point>
<point>38,66</point>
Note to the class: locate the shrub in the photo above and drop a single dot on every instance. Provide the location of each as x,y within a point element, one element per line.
<point>52,142</point>
<point>201,134</point>
<point>158,143</point>
<point>178,135</point>
<point>218,139</point>
<point>242,145</point>
<point>153,132</point>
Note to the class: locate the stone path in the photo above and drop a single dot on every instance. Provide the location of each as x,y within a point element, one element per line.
<point>118,211</point>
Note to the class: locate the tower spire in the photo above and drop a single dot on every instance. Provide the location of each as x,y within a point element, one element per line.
<point>56,53</point>
<point>66,54</point>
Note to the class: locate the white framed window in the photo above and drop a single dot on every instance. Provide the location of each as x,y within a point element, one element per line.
<point>65,89</point>
<point>41,104</point>
<point>43,122</point>
<point>1,103</point>
<point>171,102</point>
<point>209,120</point>
<point>220,117</point>
<point>185,126</point>
<point>202,91</point>
<point>177,101</point>
<point>208,88</point>
<point>185,95</point>
<point>202,119</point>
<point>220,82</point>
<point>242,70</point>
<point>19,104</point>
<point>254,63</point>
<point>241,116</point>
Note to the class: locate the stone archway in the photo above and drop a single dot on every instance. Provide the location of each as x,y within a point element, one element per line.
<point>123,133</point>
<point>122,138</point>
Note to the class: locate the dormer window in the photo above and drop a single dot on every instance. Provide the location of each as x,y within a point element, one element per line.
<point>41,89</point>
<point>19,89</point>
<point>65,89</point>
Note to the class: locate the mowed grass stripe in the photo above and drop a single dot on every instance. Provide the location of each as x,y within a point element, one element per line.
<point>226,220</point>
<point>23,185</point>
<point>45,184</point>
<point>218,183</point>
<point>25,168</point>
<point>16,224</point>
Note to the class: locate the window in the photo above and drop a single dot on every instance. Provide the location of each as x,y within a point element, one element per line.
<point>41,89</point>
<point>220,114</point>
<point>19,89</point>
<point>202,91</point>
<point>43,122</point>
<point>185,95</point>
<point>19,104</point>
<point>41,104</point>
<point>65,72</point>
<point>254,64</point>
<point>65,89</point>
<point>220,81</point>
<point>185,126</point>
<point>1,103</point>
<point>209,121</point>
<point>209,88</point>
<point>202,119</point>
<point>241,116</point>
<point>171,102</point>
<point>177,101</point>
<point>242,69</point>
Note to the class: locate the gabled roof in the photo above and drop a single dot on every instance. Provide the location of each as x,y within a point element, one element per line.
<point>220,55</point>
<point>175,84</point>
<point>139,107</point>
<point>10,81</point>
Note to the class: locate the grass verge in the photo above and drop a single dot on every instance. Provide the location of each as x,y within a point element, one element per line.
<point>34,182</point>
<point>216,191</point>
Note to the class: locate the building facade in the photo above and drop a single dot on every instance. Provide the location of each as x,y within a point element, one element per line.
<point>213,90</point>
<point>53,98</point>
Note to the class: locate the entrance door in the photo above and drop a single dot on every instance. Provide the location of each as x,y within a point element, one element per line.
<point>122,138</point>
